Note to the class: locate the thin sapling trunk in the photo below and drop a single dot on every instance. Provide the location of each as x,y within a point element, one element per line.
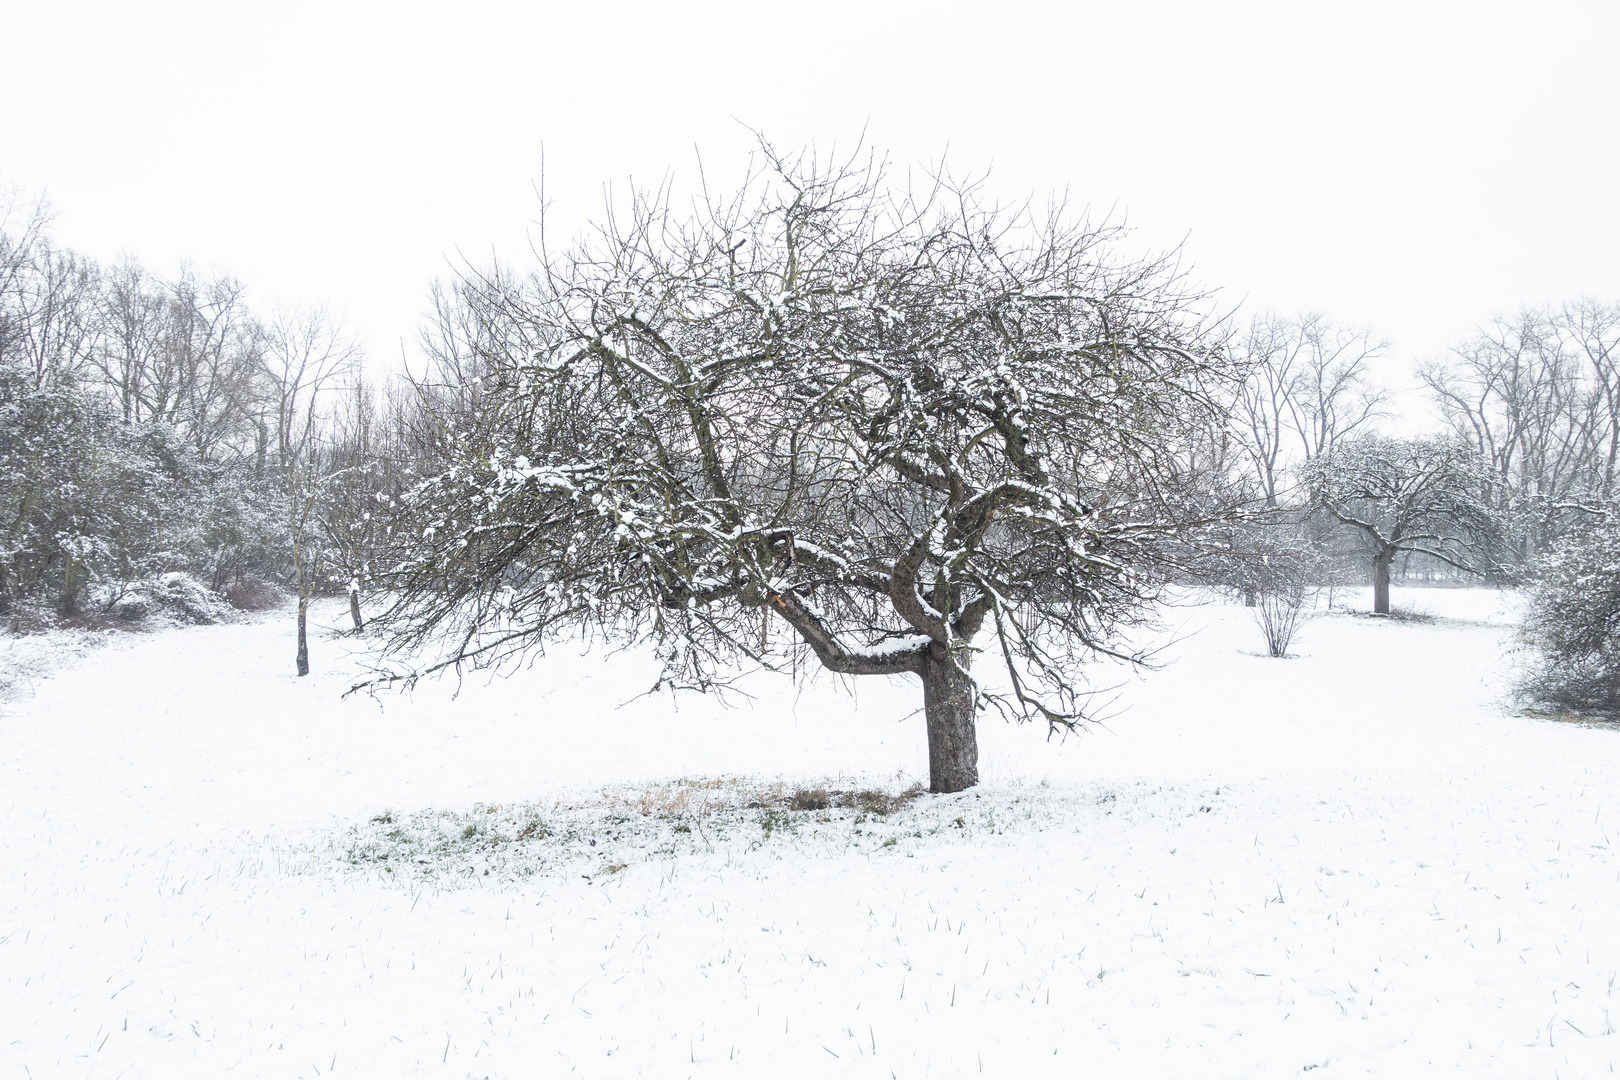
<point>303,636</point>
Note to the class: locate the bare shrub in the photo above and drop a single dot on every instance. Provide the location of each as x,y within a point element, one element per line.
<point>1278,609</point>
<point>810,799</point>
<point>251,594</point>
<point>1278,572</point>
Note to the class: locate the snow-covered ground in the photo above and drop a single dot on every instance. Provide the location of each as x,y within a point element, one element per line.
<point>1358,861</point>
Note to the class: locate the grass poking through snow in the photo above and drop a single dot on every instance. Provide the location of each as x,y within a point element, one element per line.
<point>622,826</point>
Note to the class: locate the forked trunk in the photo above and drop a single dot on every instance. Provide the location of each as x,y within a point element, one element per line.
<point>303,639</point>
<point>1381,563</point>
<point>953,745</point>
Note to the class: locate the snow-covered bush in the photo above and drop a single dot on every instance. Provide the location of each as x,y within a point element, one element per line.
<point>174,597</point>
<point>97,504</point>
<point>1572,623</point>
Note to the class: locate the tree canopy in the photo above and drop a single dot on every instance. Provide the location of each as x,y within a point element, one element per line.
<point>897,421</point>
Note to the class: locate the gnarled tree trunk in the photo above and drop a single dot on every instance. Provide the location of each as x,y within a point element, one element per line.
<point>949,706</point>
<point>949,699</point>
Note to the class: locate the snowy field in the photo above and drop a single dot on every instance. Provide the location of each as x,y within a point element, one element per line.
<point>1356,862</point>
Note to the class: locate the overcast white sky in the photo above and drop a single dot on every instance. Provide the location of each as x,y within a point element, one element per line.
<point>1413,166</point>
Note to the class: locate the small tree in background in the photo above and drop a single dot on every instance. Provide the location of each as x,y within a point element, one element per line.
<point>308,556</point>
<point>1428,495</point>
<point>901,423</point>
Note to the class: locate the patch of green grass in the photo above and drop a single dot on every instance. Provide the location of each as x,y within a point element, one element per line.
<point>772,820</point>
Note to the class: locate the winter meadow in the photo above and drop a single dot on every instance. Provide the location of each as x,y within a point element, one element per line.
<point>822,614</point>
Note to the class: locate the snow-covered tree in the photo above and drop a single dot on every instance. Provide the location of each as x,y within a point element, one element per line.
<point>913,428</point>
<point>1425,495</point>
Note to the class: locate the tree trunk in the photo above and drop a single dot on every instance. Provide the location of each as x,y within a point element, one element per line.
<point>354,609</point>
<point>948,705</point>
<point>1381,563</point>
<point>303,639</point>
<point>70,587</point>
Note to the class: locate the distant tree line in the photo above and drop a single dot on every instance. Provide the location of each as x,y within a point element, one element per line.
<point>156,432</point>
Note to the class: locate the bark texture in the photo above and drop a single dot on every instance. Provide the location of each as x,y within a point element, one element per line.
<point>1381,563</point>
<point>953,746</point>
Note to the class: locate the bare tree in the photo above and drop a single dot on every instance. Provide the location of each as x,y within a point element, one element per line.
<point>1538,395</point>
<point>361,469</point>
<point>24,226</point>
<point>303,495</point>
<point>1335,396</point>
<point>1264,409</point>
<point>134,312</point>
<point>1309,387</point>
<point>24,232</point>
<point>1592,330</point>
<point>304,352</point>
<point>47,301</point>
<point>205,378</point>
<point>894,420</point>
